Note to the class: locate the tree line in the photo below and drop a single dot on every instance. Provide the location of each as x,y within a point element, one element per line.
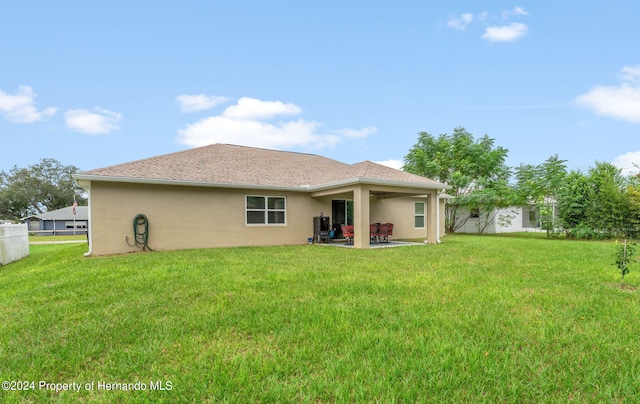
<point>38,188</point>
<point>599,203</point>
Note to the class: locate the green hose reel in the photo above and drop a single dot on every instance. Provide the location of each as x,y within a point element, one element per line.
<point>141,233</point>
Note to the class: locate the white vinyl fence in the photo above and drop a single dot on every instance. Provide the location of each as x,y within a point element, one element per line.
<point>14,242</point>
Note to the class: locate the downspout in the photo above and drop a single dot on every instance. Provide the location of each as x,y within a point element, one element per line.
<point>89,225</point>
<point>86,185</point>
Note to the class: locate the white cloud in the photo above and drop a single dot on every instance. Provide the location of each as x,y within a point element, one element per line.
<point>96,122</point>
<point>618,102</point>
<point>495,33</point>
<point>631,74</point>
<point>520,11</point>
<point>505,33</point>
<point>222,129</point>
<point>397,164</point>
<point>622,102</point>
<point>249,122</point>
<point>251,108</point>
<point>507,14</point>
<point>461,22</point>
<point>358,133</point>
<point>200,102</point>
<point>628,162</point>
<point>20,106</point>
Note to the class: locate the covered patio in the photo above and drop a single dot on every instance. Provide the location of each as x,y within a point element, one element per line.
<point>373,199</point>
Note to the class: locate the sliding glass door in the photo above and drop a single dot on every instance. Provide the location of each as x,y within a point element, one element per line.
<point>341,213</point>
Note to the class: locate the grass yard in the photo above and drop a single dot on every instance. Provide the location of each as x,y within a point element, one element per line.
<point>475,319</point>
<point>50,239</point>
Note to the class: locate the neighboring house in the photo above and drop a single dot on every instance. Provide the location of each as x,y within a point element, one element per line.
<point>59,221</point>
<point>225,195</point>
<point>508,220</point>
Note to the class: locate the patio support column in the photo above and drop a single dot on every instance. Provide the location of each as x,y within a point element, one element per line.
<point>432,218</point>
<point>442,214</point>
<point>361,216</point>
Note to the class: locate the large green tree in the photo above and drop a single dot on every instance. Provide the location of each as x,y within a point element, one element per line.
<point>633,189</point>
<point>475,168</point>
<point>572,203</point>
<point>609,208</point>
<point>39,188</point>
<point>600,203</point>
<point>540,185</point>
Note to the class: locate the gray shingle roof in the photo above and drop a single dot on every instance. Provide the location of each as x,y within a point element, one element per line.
<point>225,164</point>
<point>82,213</point>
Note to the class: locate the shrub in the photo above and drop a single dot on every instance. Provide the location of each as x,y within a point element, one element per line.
<point>624,252</point>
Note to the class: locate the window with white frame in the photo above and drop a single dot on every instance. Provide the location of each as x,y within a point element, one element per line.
<point>419,215</point>
<point>265,210</point>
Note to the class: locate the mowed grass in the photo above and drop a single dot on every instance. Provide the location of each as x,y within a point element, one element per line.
<point>51,239</point>
<point>475,319</point>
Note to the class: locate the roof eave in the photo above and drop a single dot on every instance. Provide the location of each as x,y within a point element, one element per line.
<point>84,181</point>
<point>377,181</point>
<point>32,216</point>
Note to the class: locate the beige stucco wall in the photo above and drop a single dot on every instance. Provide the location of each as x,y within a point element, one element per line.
<point>183,217</point>
<point>400,212</point>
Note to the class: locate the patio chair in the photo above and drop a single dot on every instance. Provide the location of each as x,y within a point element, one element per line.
<point>347,233</point>
<point>386,230</point>
<point>374,232</point>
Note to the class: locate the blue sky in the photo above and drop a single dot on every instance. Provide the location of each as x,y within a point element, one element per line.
<point>105,82</point>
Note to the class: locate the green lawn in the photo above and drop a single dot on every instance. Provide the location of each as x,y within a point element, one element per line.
<point>48,239</point>
<point>475,319</point>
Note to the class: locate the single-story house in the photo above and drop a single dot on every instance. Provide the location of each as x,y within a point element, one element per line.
<point>69,220</point>
<point>225,195</point>
<point>514,219</point>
